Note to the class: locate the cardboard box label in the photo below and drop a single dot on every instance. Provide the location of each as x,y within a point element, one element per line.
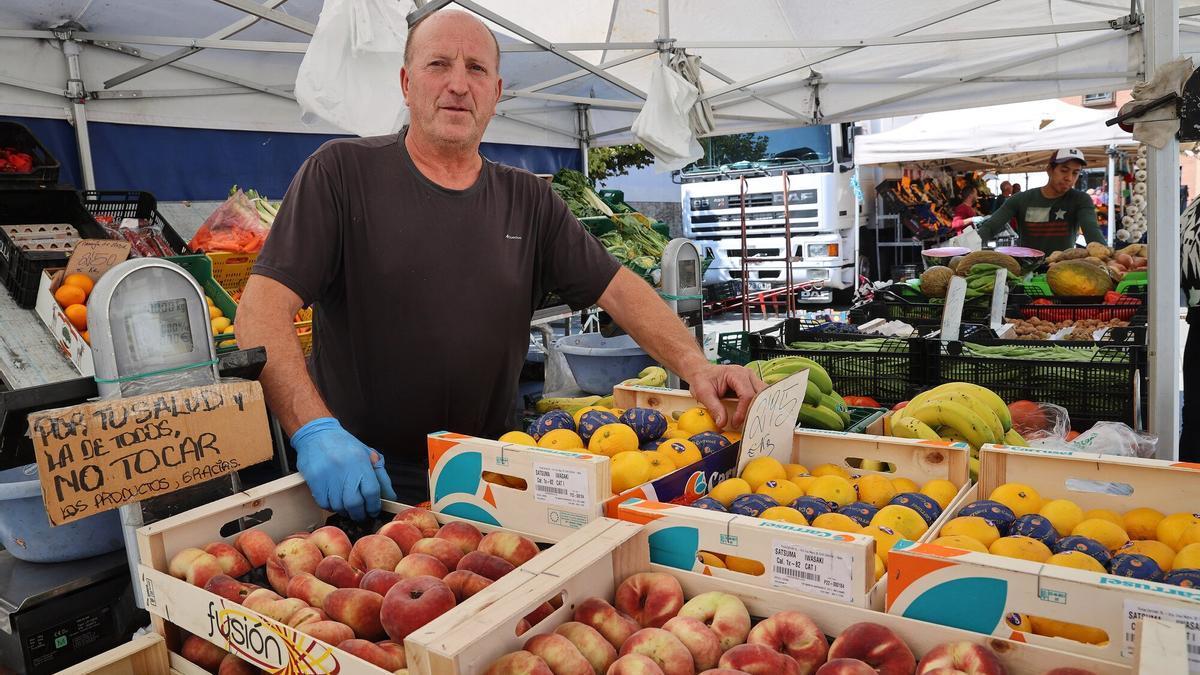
<point>1188,618</point>
<point>560,485</point>
<point>94,257</point>
<point>102,455</point>
<point>816,571</point>
<point>771,421</point>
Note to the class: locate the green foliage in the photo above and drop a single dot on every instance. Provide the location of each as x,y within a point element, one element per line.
<point>616,160</point>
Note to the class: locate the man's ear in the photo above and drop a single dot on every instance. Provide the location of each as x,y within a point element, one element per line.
<point>404,82</point>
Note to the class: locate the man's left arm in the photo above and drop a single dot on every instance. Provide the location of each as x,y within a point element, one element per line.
<point>637,309</point>
<point>1087,221</point>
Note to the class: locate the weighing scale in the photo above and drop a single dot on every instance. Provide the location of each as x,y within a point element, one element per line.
<point>682,289</point>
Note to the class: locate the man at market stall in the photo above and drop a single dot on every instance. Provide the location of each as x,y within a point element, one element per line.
<point>1049,218</point>
<point>425,262</point>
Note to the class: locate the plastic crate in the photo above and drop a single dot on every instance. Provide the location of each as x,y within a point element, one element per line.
<point>894,306</point>
<point>20,271</point>
<point>1075,309</point>
<point>733,348</point>
<point>120,204</point>
<point>45,166</point>
<point>199,267</point>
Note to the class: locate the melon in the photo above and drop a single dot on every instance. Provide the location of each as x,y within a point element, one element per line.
<point>1078,278</point>
<point>980,257</point>
<point>935,281</point>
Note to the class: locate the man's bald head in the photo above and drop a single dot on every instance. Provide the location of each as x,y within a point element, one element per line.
<point>447,15</point>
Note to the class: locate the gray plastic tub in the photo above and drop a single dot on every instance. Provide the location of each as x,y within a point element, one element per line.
<point>599,363</point>
<point>25,528</point>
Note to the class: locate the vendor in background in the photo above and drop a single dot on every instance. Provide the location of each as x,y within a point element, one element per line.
<point>1049,218</point>
<point>425,262</point>
<point>1006,191</point>
<point>966,204</point>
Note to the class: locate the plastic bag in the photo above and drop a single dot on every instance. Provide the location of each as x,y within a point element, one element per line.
<point>1040,422</point>
<point>663,125</point>
<point>234,227</point>
<point>968,238</point>
<point>350,75</point>
<point>1115,438</point>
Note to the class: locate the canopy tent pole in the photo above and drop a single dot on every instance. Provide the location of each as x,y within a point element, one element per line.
<point>1162,47</point>
<point>1113,221</point>
<point>77,94</point>
<point>581,123</point>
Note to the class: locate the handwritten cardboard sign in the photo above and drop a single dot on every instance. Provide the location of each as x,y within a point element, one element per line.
<point>771,420</point>
<point>102,455</point>
<point>94,257</point>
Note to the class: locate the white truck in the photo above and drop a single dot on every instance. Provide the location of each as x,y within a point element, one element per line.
<point>823,214</point>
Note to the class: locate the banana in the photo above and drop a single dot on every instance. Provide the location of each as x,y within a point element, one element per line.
<point>545,405</point>
<point>756,367</point>
<point>604,402</point>
<point>819,417</point>
<point>651,376</point>
<point>812,393</point>
<point>794,364</point>
<point>949,434</point>
<point>986,395</point>
<point>977,406</point>
<point>1011,437</point>
<point>832,403</point>
<point>913,428</point>
<point>955,415</point>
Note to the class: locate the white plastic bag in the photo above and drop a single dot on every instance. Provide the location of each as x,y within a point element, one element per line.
<point>664,125</point>
<point>969,238</point>
<point>350,75</point>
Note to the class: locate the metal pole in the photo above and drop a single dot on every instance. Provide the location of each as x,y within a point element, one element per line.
<point>77,95</point>
<point>1113,221</point>
<point>1162,47</point>
<point>581,122</point>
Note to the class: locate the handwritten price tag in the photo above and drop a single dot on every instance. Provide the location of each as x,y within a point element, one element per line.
<point>771,421</point>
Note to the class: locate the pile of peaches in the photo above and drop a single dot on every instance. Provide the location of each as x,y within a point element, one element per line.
<point>364,596</point>
<point>649,629</point>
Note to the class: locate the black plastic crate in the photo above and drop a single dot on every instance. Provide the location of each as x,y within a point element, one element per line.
<point>120,204</point>
<point>894,307</point>
<point>20,271</point>
<point>1101,389</point>
<point>45,166</point>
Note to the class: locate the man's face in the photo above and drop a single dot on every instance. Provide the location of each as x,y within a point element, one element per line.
<point>1063,176</point>
<point>452,82</point>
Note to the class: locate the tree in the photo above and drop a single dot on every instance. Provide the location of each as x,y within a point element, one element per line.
<point>746,147</point>
<point>616,160</point>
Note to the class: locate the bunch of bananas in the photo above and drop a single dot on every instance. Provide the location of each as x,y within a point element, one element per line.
<point>822,408</point>
<point>654,376</point>
<point>981,280</point>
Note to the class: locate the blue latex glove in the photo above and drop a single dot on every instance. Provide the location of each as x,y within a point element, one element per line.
<point>343,474</point>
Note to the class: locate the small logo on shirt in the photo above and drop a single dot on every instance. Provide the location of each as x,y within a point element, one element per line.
<point>1060,214</point>
<point>512,236</point>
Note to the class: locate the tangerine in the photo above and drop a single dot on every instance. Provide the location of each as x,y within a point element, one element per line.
<point>70,295</point>
<point>81,281</point>
<point>77,315</point>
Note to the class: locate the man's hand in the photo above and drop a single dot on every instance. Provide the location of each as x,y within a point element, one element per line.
<point>343,474</point>
<point>710,382</point>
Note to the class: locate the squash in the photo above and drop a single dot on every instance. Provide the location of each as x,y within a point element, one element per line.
<point>1078,278</point>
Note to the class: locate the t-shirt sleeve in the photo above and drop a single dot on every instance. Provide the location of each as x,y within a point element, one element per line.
<point>574,262</point>
<point>303,250</point>
<point>1087,220</point>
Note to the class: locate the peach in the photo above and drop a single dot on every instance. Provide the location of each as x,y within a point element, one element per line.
<point>302,534</point>
<point>444,550</point>
<point>664,648</point>
<point>258,596</point>
<point>229,588</point>
<point>465,583</point>
<point>518,663</point>
<point>421,564</point>
<point>335,571</point>
<point>591,644</point>
<point>202,653</point>
<point>466,535</point>
<point>396,649</point>
<point>846,667</point>
<point>309,589</point>
<point>256,545</point>
<point>522,627</point>
<point>758,660</point>
<point>331,540</point>
<point>271,605</point>
<point>485,564</point>
<point>277,575</point>
<point>650,598</point>
<point>1069,671</point>
<point>307,615</point>
<point>635,664</point>
<point>232,665</point>
<point>375,551</point>
<point>414,602</point>
<point>559,653</point>
<point>794,634</point>
<point>380,581</point>
<point>328,631</point>
<point>614,626</point>
<point>539,613</point>
<point>965,657</point>
<point>180,562</point>
<point>514,548</point>
<point>404,534</point>
<point>298,555</point>
<point>423,520</point>
<point>699,639</point>
<point>232,561</point>
<point>372,653</point>
<point>357,608</point>
<point>722,671</point>
<point>876,645</point>
<point>725,614</point>
<point>203,568</point>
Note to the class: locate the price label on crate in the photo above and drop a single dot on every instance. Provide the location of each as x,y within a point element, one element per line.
<point>1188,618</point>
<point>771,421</point>
<point>814,571</point>
<point>561,485</point>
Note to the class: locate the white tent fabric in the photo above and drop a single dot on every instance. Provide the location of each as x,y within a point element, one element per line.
<point>1011,136</point>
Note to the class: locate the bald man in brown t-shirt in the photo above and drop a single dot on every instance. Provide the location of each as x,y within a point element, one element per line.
<point>425,262</point>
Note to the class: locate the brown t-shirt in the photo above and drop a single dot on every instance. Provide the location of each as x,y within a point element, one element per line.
<point>423,294</point>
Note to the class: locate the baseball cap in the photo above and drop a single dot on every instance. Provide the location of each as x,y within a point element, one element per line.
<point>1068,155</point>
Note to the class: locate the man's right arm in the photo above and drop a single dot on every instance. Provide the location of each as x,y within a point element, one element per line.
<point>996,222</point>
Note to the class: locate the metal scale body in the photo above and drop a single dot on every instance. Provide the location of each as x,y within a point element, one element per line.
<point>683,289</point>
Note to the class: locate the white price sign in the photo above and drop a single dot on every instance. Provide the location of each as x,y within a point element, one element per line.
<point>1188,618</point>
<point>561,485</point>
<point>809,570</point>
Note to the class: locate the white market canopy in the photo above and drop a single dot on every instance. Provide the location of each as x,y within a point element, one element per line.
<point>1009,137</point>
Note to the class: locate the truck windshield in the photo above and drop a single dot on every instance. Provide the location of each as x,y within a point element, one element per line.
<point>797,150</point>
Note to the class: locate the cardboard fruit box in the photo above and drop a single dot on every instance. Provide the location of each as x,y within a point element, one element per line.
<point>279,508</point>
<point>991,594</point>
<point>596,567</point>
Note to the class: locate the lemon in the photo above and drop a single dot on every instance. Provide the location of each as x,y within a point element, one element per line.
<point>744,565</point>
<point>1076,560</point>
<point>761,470</point>
<point>1142,523</point>
<point>733,436</point>
<point>520,438</point>
<point>1171,528</point>
<point>974,527</point>
<point>1110,535</point>
<point>784,513</point>
<point>803,481</point>
<point>1063,514</point>
<point>902,519</point>
<point>836,522</point>
<point>661,463</point>
<point>875,490</point>
<point>903,485</point>
<point>1070,631</point>
<point>782,491</point>
<point>220,323</point>
<point>1022,499</point>
<point>1156,550</point>
<point>728,490</point>
<point>793,470</point>
<point>1190,536</point>
<point>695,421</point>
<point>1018,622</point>
<point>611,439</point>
<point>228,330</point>
<point>629,469</point>
<point>214,312</point>
<point>830,470</point>
<point>209,301</point>
<point>941,491</point>
<point>711,559</point>
<point>961,541</point>
<point>834,489</point>
<point>1188,558</point>
<point>885,539</point>
<point>561,439</point>
<point>880,567</point>
<point>1024,548</point>
<point>681,451</point>
<point>1105,514</point>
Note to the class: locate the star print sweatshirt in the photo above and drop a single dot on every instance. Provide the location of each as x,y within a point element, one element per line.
<point>1045,224</point>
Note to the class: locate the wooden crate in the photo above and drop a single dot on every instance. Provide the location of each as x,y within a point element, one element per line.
<point>279,508</point>
<point>978,591</point>
<point>596,567</point>
<point>143,655</point>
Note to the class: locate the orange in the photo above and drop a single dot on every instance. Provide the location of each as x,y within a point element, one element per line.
<point>81,281</point>
<point>77,315</point>
<point>70,295</point>
<point>87,338</point>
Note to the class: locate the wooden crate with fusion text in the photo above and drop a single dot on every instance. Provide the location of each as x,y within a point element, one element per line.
<point>997,595</point>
